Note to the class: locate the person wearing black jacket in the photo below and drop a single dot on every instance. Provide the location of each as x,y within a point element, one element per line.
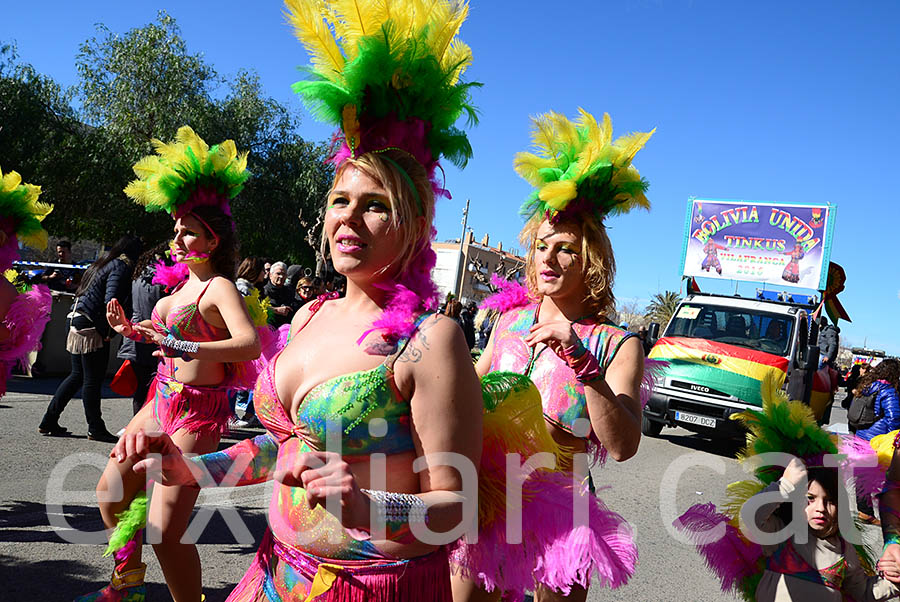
<point>89,335</point>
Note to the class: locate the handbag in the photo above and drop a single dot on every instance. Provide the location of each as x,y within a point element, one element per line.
<point>83,336</point>
<point>861,414</point>
<point>125,381</point>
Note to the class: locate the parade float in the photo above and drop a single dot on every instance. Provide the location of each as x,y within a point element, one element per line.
<point>718,350</point>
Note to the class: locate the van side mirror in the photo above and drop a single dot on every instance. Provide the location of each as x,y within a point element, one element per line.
<point>653,333</point>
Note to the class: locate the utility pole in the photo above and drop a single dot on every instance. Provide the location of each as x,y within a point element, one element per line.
<point>461,267</point>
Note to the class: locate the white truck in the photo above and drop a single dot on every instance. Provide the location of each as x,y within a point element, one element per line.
<point>718,351</point>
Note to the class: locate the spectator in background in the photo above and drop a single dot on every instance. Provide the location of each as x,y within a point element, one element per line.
<point>144,295</point>
<point>467,322</point>
<point>453,309</point>
<point>294,273</point>
<point>250,274</point>
<point>267,266</point>
<point>280,297</point>
<point>828,339</point>
<point>62,279</point>
<point>484,324</point>
<point>305,291</point>
<point>89,335</point>
<point>882,381</point>
<point>850,382</point>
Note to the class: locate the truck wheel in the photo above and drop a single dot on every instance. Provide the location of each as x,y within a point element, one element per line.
<point>650,428</point>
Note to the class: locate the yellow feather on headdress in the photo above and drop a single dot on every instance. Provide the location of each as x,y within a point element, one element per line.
<point>579,159</point>
<point>19,203</point>
<point>311,29</point>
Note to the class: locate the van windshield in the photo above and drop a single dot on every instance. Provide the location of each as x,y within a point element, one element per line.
<point>747,328</point>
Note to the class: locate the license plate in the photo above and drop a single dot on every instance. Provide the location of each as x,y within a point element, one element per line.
<point>695,419</point>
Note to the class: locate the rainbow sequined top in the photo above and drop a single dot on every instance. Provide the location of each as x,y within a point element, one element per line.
<point>370,415</point>
<point>561,394</point>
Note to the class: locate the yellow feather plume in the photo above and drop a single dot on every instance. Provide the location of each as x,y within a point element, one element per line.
<point>884,447</point>
<point>738,493</point>
<point>312,30</point>
<point>354,19</point>
<point>558,194</point>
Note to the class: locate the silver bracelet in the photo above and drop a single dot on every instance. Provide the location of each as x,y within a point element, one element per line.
<point>398,507</point>
<point>181,346</point>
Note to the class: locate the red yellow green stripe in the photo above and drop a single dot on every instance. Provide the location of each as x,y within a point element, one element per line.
<point>727,368</point>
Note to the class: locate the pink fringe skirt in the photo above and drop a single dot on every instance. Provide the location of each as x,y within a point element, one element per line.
<point>199,410</point>
<point>280,573</point>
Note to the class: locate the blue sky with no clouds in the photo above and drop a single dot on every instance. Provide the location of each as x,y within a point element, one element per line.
<point>776,101</point>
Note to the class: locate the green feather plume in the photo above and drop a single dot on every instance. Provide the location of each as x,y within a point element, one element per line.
<point>131,520</point>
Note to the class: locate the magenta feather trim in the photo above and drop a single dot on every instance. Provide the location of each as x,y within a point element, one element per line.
<point>411,135</point>
<point>653,370</point>
<point>204,197</point>
<point>25,319</point>
<point>868,475</point>
<point>552,551</point>
<point>170,276</point>
<point>284,336</point>
<point>408,297</point>
<point>510,295</point>
<point>124,552</point>
<point>731,557</point>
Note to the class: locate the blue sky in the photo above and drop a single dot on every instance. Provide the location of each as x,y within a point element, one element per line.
<point>776,101</point>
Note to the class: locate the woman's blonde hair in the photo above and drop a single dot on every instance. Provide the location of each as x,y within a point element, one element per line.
<point>599,263</point>
<point>396,171</point>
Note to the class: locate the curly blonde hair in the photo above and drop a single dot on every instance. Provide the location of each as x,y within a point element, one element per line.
<point>598,261</point>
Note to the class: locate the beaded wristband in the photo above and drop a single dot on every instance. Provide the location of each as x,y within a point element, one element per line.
<point>181,348</point>
<point>398,507</point>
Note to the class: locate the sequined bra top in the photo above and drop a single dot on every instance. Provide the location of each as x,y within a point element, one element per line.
<point>184,322</point>
<point>561,394</point>
<point>368,408</point>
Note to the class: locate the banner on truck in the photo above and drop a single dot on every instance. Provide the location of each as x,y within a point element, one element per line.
<point>776,243</point>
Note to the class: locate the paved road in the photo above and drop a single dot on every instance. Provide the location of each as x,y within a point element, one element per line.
<point>36,563</point>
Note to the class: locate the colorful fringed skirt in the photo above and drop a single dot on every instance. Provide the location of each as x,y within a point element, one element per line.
<point>199,410</point>
<point>282,573</point>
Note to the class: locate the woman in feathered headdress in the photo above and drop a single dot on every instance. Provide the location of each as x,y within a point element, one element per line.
<point>369,382</point>
<point>558,332</point>
<point>23,314</point>
<point>205,336</point>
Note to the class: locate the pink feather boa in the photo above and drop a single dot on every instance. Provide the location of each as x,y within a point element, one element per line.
<point>510,295</point>
<point>170,276</point>
<point>552,552</point>
<point>868,475</point>
<point>408,297</point>
<point>25,319</point>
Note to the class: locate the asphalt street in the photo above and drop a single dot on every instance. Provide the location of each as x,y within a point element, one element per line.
<point>47,497</point>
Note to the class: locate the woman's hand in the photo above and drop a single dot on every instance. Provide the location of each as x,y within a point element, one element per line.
<point>326,477</point>
<point>795,472</point>
<point>117,319</point>
<point>889,564</point>
<point>157,455</point>
<point>557,335</point>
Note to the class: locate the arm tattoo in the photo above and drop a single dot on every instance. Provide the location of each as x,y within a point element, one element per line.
<point>418,344</point>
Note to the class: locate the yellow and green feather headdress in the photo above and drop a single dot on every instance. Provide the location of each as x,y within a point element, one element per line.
<point>21,213</point>
<point>387,73</point>
<point>188,173</point>
<point>578,167</point>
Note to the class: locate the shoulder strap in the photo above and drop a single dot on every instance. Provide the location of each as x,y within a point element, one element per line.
<point>401,347</point>
<point>315,307</point>
<point>203,292</point>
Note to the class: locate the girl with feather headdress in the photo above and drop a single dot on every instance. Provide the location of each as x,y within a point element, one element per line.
<point>777,537</point>
<point>372,381</point>
<point>23,313</point>
<point>558,331</point>
<point>206,339</point>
